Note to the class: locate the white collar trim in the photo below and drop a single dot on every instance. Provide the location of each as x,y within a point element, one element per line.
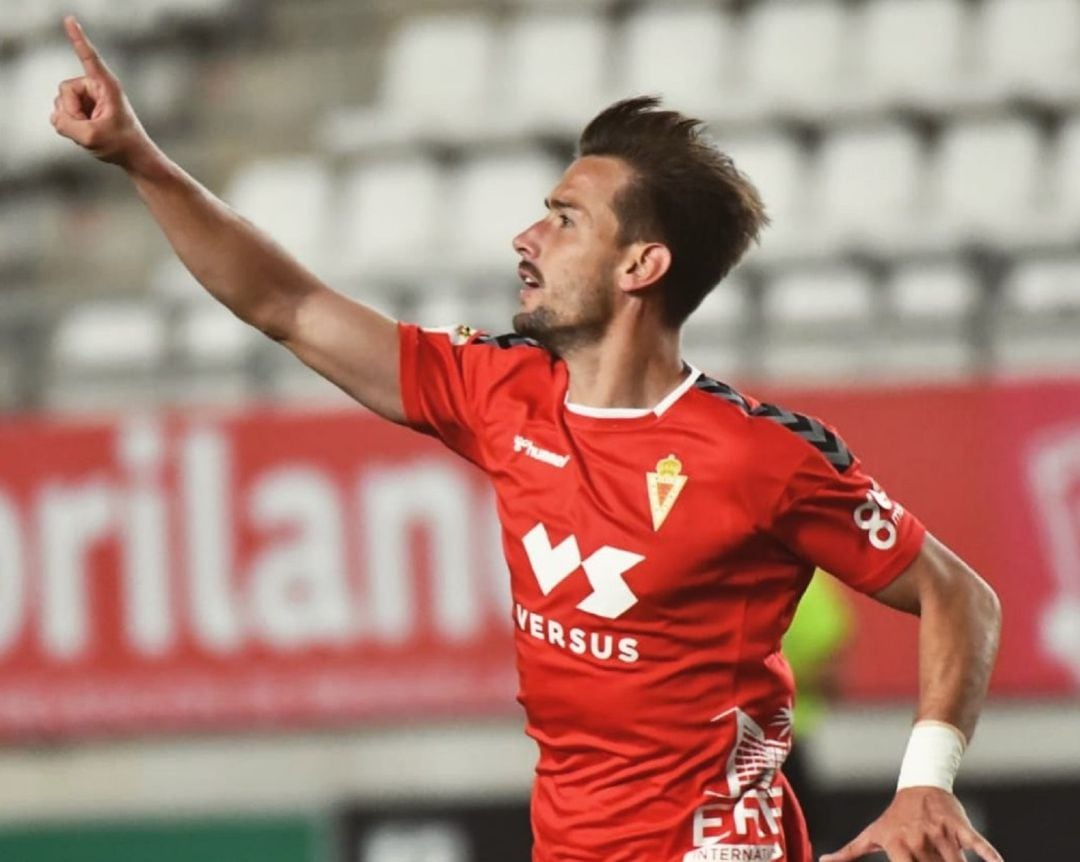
<point>637,412</point>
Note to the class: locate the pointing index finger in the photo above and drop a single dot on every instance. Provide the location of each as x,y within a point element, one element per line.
<point>92,63</point>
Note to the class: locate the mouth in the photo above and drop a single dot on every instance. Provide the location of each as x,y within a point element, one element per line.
<point>530,276</point>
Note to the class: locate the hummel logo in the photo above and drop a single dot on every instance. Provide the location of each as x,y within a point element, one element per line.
<point>523,444</point>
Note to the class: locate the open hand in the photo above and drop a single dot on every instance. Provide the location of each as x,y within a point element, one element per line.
<point>93,110</point>
<point>922,824</point>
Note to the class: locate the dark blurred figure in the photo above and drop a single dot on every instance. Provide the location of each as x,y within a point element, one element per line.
<point>814,646</point>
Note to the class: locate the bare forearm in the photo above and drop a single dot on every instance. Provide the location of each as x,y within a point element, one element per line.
<point>238,264</point>
<point>960,621</point>
<point>958,640</point>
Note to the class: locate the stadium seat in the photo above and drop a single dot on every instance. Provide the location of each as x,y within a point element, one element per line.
<point>911,51</point>
<point>552,71</point>
<point>438,71</point>
<point>932,293</point>
<point>683,53</point>
<point>1044,287</point>
<point>715,334</point>
<point>795,54</point>
<point>869,186</point>
<point>816,361</point>
<point>33,143</point>
<point>1039,316</point>
<point>443,304</point>
<point>726,307</point>
<point>101,336</point>
<point>990,176</point>
<point>390,218</point>
<point>775,163</point>
<point>437,83</point>
<point>210,334</point>
<point>493,198</point>
<point>23,18</point>
<point>288,198</point>
<point>834,296</point>
<point>6,119</point>
<point>1030,47</point>
<point>30,224</point>
<point>1064,219</point>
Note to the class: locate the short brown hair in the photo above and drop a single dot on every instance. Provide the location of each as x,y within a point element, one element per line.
<point>685,193</point>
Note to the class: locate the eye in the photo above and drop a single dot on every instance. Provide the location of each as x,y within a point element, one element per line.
<point>564,220</point>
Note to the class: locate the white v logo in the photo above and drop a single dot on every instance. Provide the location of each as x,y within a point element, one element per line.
<point>610,598</point>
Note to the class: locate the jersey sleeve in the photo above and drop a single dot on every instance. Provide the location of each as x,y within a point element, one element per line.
<point>441,382</point>
<point>843,522</point>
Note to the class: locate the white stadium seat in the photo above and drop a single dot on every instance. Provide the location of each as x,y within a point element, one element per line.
<point>390,218</point>
<point>438,69</point>
<point>911,51</point>
<point>932,292</point>
<point>726,307</point>
<point>1039,317</point>
<point>795,53</point>
<point>288,198</point>
<point>1030,47</point>
<point>99,336</point>
<point>24,17</point>
<point>34,80</point>
<point>1045,287</point>
<point>107,356</point>
<point>776,164</point>
<point>822,297</point>
<point>438,80</point>
<point>869,185</point>
<point>553,68</point>
<point>683,53</point>
<point>208,333</point>
<point>493,198</point>
<point>990,180</point>
<point>1065,185</point>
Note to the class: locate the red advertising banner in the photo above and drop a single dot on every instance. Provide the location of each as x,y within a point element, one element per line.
<point>994,472</point>
<point>296,568</point>
<point>265,568</point>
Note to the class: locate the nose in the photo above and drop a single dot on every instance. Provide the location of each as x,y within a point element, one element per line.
<point>526,243</point>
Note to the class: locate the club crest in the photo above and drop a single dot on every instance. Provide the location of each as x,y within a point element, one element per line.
<point>664,485</point>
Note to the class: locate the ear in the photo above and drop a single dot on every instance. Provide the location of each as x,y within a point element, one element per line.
<point>644,265</point>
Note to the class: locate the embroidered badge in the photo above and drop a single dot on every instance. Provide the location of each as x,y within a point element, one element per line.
<point>664,485</point>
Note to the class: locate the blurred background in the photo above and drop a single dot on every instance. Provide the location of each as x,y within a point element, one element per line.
<point>240,619</point>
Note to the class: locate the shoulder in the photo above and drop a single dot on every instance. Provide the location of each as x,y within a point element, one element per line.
<point>777,437</point>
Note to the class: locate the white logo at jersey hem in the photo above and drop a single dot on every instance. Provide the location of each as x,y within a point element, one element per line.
<point>524,444</point>
<point>735,853</point>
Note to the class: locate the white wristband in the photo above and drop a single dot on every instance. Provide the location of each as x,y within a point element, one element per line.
<point>933,754</point>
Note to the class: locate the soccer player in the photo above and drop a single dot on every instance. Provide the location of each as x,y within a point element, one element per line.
<point>659,526</point>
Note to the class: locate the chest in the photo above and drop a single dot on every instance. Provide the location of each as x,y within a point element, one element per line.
<point>610,521</point>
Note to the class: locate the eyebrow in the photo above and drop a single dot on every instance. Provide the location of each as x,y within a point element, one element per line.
<point>559,204</point>
<point>555,203</point>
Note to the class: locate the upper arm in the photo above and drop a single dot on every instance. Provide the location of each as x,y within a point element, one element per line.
<point>351,345</point>
<point>936,574</point>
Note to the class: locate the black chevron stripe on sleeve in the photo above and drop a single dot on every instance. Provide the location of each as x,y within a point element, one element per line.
<point>722,390</point>
<point>813,432</point>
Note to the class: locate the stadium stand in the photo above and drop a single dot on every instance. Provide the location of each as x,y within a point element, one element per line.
<point>915,193</point>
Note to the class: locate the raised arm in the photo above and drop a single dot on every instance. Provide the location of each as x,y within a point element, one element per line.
<point>351,345</point>
<point>959,625</point>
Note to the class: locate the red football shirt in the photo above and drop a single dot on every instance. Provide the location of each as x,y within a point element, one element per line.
<point>656,558</point>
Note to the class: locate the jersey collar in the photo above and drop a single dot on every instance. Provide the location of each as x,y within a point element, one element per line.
<point>636,412</point>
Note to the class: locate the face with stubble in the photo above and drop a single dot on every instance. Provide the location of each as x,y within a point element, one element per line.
<point>570,258</point>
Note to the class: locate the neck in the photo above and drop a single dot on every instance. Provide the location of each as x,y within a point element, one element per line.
<point>633,365</point>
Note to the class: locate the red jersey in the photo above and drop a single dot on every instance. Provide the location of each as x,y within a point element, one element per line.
<point>656,558</point>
